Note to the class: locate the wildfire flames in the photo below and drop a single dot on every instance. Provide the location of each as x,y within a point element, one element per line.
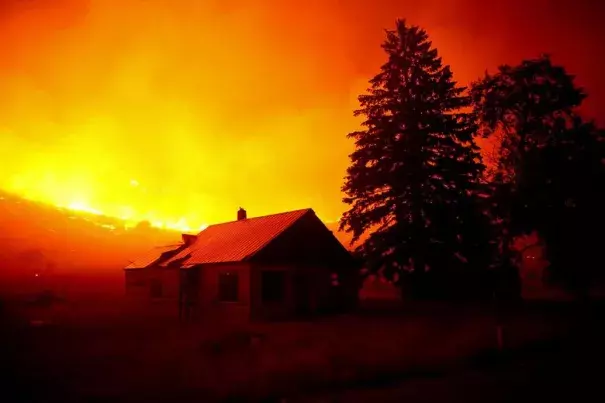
<point>178,112</point>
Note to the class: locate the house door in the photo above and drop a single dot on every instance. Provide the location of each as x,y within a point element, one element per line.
<point>188,291</point>
<point>302,294</point>
<point>273,286</point>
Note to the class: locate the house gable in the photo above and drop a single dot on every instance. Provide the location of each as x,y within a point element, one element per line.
<point>235,241</point>
<point>307,242</point>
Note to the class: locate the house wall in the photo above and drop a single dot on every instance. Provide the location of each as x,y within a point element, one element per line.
<point>318,255</point>
<point>169,278</point>
<point>308,290</point>
<point>209,307</point>
<point>138,282</point>
<point>322,293</point>
<point>349,285</point>
<point>206,303</point>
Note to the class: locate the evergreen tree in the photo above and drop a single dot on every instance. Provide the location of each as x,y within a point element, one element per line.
<point>549,174</point>
<point>414,182</point>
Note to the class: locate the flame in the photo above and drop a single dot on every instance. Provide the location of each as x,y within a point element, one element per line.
<point>180,225</point>
<point>178,112</point>
<point>166,112</point>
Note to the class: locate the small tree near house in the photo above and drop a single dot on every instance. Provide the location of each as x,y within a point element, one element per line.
<point>414,183</point>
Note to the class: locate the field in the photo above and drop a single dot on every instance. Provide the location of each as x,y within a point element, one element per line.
<point>111,351</point>
<point>94,346</point>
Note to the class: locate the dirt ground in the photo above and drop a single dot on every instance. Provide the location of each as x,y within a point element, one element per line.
<point>104,352</point>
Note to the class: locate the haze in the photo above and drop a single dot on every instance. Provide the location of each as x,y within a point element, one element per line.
<point>178,112</point>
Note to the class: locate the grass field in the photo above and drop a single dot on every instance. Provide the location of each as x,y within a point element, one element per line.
<point>105,351</point>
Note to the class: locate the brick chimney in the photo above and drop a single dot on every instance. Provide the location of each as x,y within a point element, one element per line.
<point>241,214</point>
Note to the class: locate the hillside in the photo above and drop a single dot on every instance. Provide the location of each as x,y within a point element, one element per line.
<point>36,238</point>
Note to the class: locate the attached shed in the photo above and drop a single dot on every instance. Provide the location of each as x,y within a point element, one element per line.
<point>145,278</point>
<point>277,266</point>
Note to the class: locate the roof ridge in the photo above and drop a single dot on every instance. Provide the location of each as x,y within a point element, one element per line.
<point>238,240</point>
<point>258,217</point>
<point>264,245</point>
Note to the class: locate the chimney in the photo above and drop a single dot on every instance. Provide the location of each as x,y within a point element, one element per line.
<point>241,214</point>
<point>188,239</point>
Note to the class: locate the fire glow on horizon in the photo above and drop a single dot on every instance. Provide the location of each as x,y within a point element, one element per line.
<point>178,112</point>
<point>131,218</point>
<point>137,111</point>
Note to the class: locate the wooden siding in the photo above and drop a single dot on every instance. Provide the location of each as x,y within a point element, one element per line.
<point>210,306</point>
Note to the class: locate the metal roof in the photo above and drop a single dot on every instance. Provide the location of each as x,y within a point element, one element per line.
<point>235,241</point>
<point>152,256</point>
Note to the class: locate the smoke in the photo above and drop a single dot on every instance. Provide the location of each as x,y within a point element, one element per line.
<point>167,110</point>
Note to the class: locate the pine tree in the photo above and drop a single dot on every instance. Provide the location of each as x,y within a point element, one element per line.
<point>414,182</point>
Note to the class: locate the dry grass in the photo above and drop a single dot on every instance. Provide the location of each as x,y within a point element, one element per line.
<point>108,350</point>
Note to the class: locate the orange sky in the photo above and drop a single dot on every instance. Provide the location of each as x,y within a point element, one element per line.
<point>183,109</point>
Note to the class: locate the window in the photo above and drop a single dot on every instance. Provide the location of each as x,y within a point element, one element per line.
<point>273,286</point>
<point>228,287</point>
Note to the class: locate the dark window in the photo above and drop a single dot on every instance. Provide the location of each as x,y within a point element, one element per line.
<point>273,286</point>
<point>228,287</point>
<point>156,288</point>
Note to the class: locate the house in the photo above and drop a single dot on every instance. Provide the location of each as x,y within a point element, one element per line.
<point>276,266</point>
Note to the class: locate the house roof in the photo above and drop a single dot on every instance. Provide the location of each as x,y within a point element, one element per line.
<point>152,256</point>
<point>235,241</point>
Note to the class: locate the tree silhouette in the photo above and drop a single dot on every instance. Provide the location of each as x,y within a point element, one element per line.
<point>414,180</point>
<point>519,105</point>
<point>549,173</point>
<point>564,191</point>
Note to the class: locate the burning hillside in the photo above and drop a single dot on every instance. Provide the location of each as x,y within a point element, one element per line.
<point>36,238</point>
<point>175,111</point>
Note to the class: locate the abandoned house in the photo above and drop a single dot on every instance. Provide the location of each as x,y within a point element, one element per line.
<point>276,266</point>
